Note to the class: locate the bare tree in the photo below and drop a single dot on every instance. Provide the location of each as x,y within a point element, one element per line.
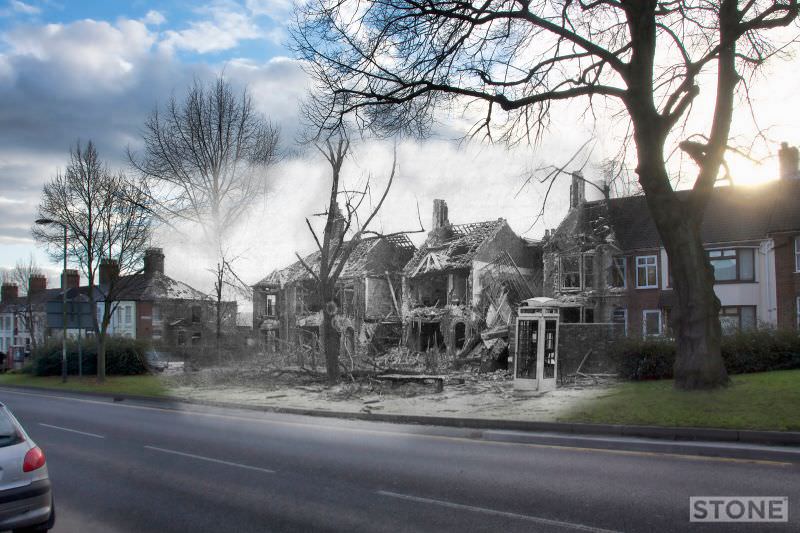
<point>390,64</point>
<point>334,250</point>
<point>207,156</point>
<point>21,275</point>
<point>107,218</point>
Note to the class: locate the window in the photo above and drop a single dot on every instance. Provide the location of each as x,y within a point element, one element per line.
<point>620,316</point>
<point>128,314</point>
<point>733,264</point>
<point>797,254</point>
<point>588,271</point>
<point>647,272</point>
<point>651,322</point>
<point>270,304</point>
<point>798,312</point>
<point>196,313</point>
<point>737,318</point>
<point>618,271</point>
<point>588,315</point>
<point>571,315</point>
<point>571,272</point>
<point>195,338</point>
<point>156,313</point>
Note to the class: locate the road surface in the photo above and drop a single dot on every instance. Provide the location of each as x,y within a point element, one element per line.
<point>137,467</point>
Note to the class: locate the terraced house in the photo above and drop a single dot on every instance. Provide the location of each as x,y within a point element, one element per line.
<point>605,261</point>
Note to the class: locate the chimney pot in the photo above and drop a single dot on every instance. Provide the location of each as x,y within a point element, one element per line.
<point>9,291</point>
<point>109,269</point>
<point>577,191</point>
<point>70,279</point>
<point>440,219</point>
<point>788,161</point>
<point>37,283</point>
<point>153,261</point>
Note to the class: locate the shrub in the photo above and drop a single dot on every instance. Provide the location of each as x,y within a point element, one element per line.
<point>124,357</point>
<point>744,352</point>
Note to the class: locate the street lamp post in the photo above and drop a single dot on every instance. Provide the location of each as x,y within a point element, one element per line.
<point>47,222</point>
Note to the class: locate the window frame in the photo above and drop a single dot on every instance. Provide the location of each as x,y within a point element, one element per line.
<point>797,314</point>
<point>738,309</point>
<point>270,304</point>
<point>616,261</point>
<point>738,259</point>
<point>646,312</point>
<point>646,266</point>
<point>797,254</point>
<point>579,272</point>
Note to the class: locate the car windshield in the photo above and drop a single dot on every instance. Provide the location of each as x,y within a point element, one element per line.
<point>8,430</point>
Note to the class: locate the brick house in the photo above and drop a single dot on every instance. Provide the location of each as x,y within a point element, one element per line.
<point>605,261</point>
<point>286,306</point>
<point>465,279</point>
<point>155,307</point>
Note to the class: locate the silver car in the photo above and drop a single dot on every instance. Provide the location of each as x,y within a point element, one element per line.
<point>26,500</point>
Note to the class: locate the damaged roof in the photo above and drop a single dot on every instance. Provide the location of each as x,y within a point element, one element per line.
<point>361,261</point>
<point>455,250</point>
<point>734,213</point>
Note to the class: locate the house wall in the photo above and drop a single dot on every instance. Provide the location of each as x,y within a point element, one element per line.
<point>636,301</point>
<point>378,301</point>
<point>760,293</point>
<point>787,280</point>
<point>144,320</point>
<point>123,318</point>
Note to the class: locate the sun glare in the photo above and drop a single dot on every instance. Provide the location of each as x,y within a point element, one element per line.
<point>747,172</point>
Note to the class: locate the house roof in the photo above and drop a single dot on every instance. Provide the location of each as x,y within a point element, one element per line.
<point>156,286</point>
<point>359,263</point>
<point>455,251</point>
<point>733,214</point>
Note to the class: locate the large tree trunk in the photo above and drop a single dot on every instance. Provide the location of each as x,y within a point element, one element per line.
<point>329,337</point>
<point>695,318</point>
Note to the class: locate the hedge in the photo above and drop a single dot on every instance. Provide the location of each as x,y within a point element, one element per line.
<point>745,352</point>
<point>124,357</point>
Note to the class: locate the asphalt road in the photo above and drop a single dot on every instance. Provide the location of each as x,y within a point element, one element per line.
<point>128,467</point>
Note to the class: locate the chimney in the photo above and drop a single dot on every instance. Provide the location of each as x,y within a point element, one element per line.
<point>70,279</point>
<point>788,162</point>
<point>577,191</point>
<point>109,269</point>
<point>440,225</point>
<point>10,291</point>
<point>36,283</point>
<point>153,261</point>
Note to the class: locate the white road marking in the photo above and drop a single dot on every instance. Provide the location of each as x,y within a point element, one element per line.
<point>210,459</point>
<point>95,435</point>
<point>505,514</point>
<point>315,425</point>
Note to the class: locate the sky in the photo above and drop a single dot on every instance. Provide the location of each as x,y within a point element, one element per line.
<point>78,70</point>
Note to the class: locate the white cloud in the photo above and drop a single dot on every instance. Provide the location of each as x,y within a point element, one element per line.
<point>275,9</point>
<point>224,30</point>
<point>154,18</point>
<point>22,7</point>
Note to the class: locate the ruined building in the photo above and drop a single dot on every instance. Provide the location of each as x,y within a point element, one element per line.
<point>465,280</point>
<point>286,305</point>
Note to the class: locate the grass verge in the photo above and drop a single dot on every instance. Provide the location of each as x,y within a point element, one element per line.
<point>766,401</point>
<point>144,385</point>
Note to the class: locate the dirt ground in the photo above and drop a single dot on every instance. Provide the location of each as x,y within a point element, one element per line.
<point>465,395</point>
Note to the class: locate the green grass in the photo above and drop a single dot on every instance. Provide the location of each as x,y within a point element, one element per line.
<point>767,400</point>
<point>144,385</point>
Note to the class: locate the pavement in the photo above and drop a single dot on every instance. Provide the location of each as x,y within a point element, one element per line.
<point>138,466</point>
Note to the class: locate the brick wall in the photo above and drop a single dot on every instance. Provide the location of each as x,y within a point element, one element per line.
<point>787,280</point>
